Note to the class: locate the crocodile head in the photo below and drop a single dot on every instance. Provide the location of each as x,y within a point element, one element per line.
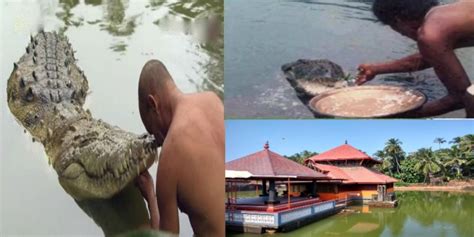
<point>313,77</point>
<point>98,160</point>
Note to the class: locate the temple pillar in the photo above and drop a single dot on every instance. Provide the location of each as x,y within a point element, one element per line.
<point>272,194</point>
<point>314,191</point>
<point>264,187</point>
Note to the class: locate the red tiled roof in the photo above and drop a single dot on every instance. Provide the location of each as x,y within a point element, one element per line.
<point>355,174</point>
<point>340,153</point>
<point>266,163</point>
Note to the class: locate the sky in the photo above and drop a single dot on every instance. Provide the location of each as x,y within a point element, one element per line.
<point>288,137</point>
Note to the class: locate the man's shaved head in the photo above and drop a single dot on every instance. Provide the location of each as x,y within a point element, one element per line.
<point>153,78</point>
<point>155,89</point>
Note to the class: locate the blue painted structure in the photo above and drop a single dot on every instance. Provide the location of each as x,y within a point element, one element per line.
<point>282,220</point>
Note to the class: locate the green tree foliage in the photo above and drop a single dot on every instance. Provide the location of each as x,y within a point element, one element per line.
<point>455,162</point>
<point>459,159</point>
<point>408,172</point>
<point>301,156</point>
<point>426,162</point>
<point>440,141</point>
<point>392,155</point>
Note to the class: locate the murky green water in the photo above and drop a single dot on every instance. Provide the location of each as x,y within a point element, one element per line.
<point>261,35</point>
<point>434,214</point>
<point>113,39</point>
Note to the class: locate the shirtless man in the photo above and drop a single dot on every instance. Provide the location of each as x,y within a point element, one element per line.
<point>191,164</point>
<point>438,30</point>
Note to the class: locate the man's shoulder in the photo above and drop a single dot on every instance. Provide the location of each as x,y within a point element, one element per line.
<point>206,96</point>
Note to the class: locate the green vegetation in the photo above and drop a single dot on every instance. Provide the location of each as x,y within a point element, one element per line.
<point>301,156</point>
<point>428,165</point>
<point>425,164</point>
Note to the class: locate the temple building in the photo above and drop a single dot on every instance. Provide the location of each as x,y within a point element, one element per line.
<point>278,194</point>
<point>287,197</point>
<point>360,181</point>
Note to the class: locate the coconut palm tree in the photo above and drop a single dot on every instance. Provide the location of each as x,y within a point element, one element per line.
<point>465,145</point>
<point>427,162</point>
<point>394,151</point>
<point>455,140</point>
<point>455,160</point>
<point>440,141</point>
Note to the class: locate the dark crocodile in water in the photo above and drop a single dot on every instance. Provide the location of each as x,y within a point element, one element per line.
<point>312,77</point>
<point>46,92</point>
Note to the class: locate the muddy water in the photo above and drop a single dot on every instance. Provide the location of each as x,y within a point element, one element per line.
<point>113,39</point>
<point>261,35</point>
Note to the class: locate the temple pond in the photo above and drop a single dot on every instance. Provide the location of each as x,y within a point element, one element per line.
<point>435,214</point>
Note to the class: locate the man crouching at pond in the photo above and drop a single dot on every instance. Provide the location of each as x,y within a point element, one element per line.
<point>190,172</point>
<point>438,30</point>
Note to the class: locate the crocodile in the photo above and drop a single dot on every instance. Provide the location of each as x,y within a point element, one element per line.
<point>312,77</point>
<point>46,92</point>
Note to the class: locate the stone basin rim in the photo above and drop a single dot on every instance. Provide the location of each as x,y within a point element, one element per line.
<point>409,108</point>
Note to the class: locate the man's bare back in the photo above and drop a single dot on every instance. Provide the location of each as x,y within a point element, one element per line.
<point>438,31</point>
<point>190,173</point>
<point>455,21</point>
<point>193,152</point>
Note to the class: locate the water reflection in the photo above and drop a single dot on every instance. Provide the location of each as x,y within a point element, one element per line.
<point>203,19</point>
<point>93,2</point>
<point>115,21</point>
<point>419,214</point>
<point>196,18</point>
<point>67,16</point>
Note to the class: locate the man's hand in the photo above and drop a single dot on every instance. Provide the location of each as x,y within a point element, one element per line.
<point>366,73</point>
<point>144,182</point>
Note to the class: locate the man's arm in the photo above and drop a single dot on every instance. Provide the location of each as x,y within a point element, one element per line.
<point>437,51</point>
<point>411,63</point>
<point>145,184</point>
<point>166,192</point>
<point>414,62</point>
<point>441,106</point>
